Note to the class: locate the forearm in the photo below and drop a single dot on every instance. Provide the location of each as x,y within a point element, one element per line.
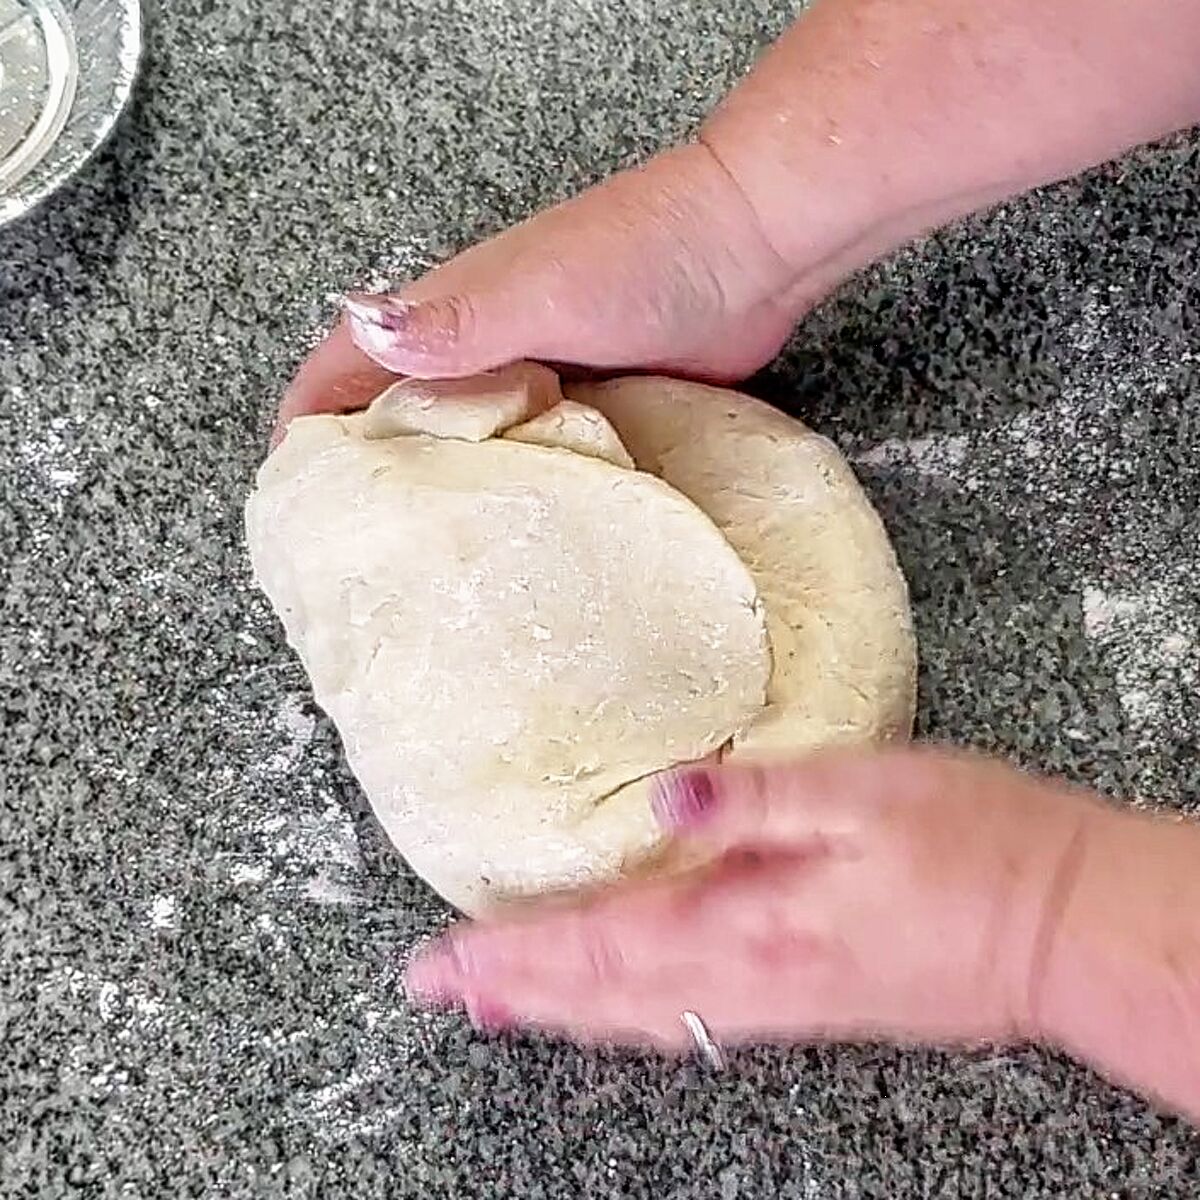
<point>1121,987</point>
<point>872,121</point>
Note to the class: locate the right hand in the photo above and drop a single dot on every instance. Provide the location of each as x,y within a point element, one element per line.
<point>898,894</point>
<point>664,267</point>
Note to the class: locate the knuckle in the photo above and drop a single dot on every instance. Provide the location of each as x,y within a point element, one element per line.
<point>443,323</point>
<point>599,951</point>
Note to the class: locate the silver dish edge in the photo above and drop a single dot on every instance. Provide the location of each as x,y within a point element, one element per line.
<point>108,38</point>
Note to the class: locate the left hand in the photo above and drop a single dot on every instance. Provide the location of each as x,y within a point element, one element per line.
<point>663,267</point>
<point>898,894</point>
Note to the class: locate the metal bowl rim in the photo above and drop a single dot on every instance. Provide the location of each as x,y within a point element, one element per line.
<point>36,186</point>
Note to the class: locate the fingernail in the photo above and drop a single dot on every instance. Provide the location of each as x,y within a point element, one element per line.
<point>489,1016</point>
<point>376,310</point>
<point>682,799</point>
<point>435,976</point>
<point>377,323</point>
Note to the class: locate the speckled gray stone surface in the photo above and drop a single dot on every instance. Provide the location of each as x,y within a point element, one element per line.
<point>200,926</point>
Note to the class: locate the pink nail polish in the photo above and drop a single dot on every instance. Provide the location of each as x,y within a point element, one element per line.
<point>377,310</point>
<point>682,799</point>
<point>488,1016</point>
<point>377,324</point>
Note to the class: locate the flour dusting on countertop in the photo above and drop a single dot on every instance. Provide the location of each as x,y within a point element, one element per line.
<point>202,927</point>
<point>388,1038</point>
<point>1077,462</point>
<point>1151,640</point>
<point>305,846</point>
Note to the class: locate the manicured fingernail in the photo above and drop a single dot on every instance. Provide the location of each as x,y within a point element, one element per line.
<point>376,310</point>
<point>682,799</point>
<point>435,976</point>
<point>377,324</point>
<point>489,1016</point>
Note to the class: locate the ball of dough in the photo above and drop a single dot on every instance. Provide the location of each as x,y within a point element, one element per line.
<point>514,629</point>
<point>509,637</point>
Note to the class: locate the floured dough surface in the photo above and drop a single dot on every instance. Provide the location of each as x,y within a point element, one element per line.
<point>506,635</point>
<point>837,604</point>
<point>518,607</point>
<point>469,410</point>
<point>575,427</point>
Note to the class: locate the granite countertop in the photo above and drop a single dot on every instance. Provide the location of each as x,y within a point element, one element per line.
<point>201,928</point>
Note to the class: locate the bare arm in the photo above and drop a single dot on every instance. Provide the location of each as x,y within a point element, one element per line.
<point>1122,982</point>
<point>903,894</point>
<point>871,121</point>
<point>868,122</point>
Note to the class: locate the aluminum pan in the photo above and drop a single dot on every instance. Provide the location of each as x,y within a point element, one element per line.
<point>108,43</point>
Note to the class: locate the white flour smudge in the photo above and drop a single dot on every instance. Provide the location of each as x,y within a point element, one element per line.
<point>301,841</point>
<point>1073,473</point>
<point>323,890</point>
<point>131,1014</point>
<point>1102,614</point>
<point>306,852</point>
<point>294,725</point>
<point>386,1042</point>
<point>248,873</point>
<point>163,912</point>
<point>324,839</point>
<point>1153,656</point>
<point>107,997</point>
<point>52,461</point>
<point>295,720</point>
<point>129,1003</point>
<point>936,456</point>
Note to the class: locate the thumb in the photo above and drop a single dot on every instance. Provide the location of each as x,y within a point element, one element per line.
<point>823,797</point>
<point>648,269</point>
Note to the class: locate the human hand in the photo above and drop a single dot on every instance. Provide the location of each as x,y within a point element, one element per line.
<point>866,124</point>
<point>664,267</point>
<point>903,894</point>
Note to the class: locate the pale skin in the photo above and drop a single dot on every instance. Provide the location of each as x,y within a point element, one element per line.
<point>909,895</point>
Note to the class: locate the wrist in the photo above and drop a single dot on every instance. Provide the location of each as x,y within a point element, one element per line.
<point>824,212</point>
<point>872,121</point>
<point>842,143</point>
<point>1120,986</point>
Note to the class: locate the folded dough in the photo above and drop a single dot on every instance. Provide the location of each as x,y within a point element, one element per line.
<point>507,637</point>
<point>572,426</point>
<point>470,410</point>
<point>837,604</point>
<point>513,630</point>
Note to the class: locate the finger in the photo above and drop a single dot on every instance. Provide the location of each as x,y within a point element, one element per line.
<point>637,272</point>
<point>624,968</point>
<point>735,1002</point>
<point>595,974</point>
<point>591,944</point>
<point>647,1017</point>
<point>821,800</point>
<point>336,377</point>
